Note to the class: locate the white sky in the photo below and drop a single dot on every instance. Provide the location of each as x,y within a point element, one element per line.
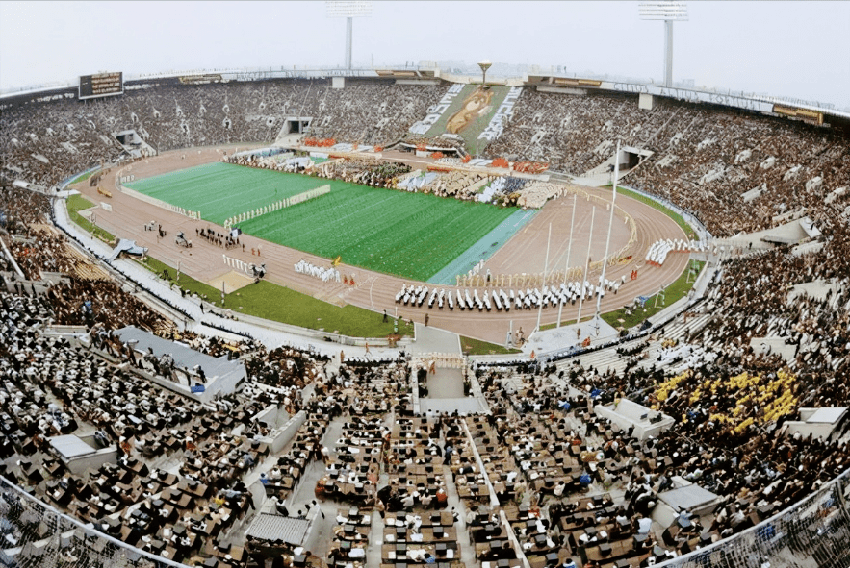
<point>795,49</point>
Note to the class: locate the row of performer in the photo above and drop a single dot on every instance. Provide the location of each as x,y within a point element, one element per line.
<point>659,250</point>
<point>324,274</point>
<point>473,279</point>
<point>530,298</point>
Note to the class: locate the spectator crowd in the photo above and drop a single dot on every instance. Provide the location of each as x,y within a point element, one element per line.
<point>541,475</point>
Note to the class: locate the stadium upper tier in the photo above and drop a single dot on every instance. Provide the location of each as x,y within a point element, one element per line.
<point>702,157</point>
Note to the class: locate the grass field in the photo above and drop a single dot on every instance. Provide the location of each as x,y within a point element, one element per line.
<point>186,282</point>
<point>672,294</point>
<point>77,203</point>
<point>412,235</point>
<point>548,326</point>
<point>220,190</point>
<point>472,346</point>
<point>281,304</point>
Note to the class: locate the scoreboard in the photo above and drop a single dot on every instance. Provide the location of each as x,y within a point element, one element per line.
<point>101,85</point>
<point>810,116</point>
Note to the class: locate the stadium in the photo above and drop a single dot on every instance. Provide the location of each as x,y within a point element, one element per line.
<point>412,314</point>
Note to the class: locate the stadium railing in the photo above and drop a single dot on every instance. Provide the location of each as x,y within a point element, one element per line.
<point>814,532</point>
<point>48,537</point>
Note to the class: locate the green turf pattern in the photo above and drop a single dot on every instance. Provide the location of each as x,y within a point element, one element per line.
<point>412,235</point>
<point>220,190</point>
<point>484,248</point>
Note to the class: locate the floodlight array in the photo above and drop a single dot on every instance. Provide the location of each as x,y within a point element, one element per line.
<point>669,11</point>
<point>348,8</point>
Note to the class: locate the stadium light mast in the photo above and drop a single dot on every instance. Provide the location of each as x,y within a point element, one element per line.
<point>669,12</point>
<point>484,65</point>
<point>348,9</point>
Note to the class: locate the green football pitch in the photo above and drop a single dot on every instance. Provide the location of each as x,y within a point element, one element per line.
<point>411,235</point>
<point>220,190</point>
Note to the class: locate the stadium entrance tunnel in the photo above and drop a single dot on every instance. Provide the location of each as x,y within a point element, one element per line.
<point>296,125</point>
<point>629,158</point>
<point>134,144</point>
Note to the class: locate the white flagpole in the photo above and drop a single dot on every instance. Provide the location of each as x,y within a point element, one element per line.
<point>586,266</point>
<point>608,238</point>
<point>545,269</point>
<point>569,249</point>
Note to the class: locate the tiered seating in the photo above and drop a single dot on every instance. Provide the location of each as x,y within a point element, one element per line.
<point>410,538</point>
<point>415,465</point>
<point>350,477</point>
<point>171,117</point>
<point>289,467</point>
<point>705,372</point>
<point>702,157</point>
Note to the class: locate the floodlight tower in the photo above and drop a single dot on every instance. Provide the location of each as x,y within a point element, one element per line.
<point>348,9</point>
<point>669,12</point>
<point>484,65</point>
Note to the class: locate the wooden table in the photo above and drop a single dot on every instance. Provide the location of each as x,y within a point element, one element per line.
<point>619,549</point>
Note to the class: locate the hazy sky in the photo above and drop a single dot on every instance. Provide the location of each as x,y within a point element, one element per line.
<point>795,49</point>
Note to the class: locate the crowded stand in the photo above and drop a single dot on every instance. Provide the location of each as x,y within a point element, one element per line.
<point>42,250</point>
<point>59,138</point>
<point>544,477</point>
<point>22,209</point>
<point>704,157</point>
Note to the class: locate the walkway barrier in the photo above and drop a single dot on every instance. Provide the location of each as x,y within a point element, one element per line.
<point>440,360</point>
<point>246,267</point>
